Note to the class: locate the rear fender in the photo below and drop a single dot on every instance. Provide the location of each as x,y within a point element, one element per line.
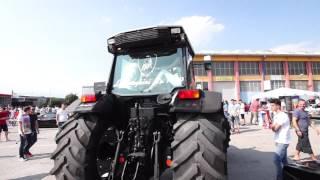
<point>104,106</point>
<point>210,102</point>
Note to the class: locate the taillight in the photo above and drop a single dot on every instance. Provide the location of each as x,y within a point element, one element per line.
<point>88,98</point>
<point>189,94</point>
<point>122,159</point>
<point>88,94</point>
<point>169,161</point>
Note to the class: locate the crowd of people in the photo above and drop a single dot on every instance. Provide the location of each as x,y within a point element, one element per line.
<point>256,112</point>
<point>28,127</point>
<point>273,115</point>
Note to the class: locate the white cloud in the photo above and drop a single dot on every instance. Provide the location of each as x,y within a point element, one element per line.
<point>200,29</point>
<point>306,46</point>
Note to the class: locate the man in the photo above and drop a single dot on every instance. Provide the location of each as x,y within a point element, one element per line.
<point>234,111</point>
<point>281,127</point>
<point>62,115</point>
<point>242,111</point>
<point>255,105</point>
<point>24,129</point>
<point>34,128</point>
<point>4,116</point>
<point>301,122</point>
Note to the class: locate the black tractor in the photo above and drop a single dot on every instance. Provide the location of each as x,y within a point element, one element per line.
<point>149,122</point>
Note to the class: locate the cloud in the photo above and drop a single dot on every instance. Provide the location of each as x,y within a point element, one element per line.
<point>306,46</point>
<point>201,30</point>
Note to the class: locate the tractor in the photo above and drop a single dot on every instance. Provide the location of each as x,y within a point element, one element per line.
<point>150,122</point>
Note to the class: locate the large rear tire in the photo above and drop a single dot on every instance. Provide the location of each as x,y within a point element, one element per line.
<point>198,149</point>
<point>75,155</point>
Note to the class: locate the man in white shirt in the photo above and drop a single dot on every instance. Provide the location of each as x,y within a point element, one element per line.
<point>234,111</point>
<point>62,115</point>
<point>281,127</point>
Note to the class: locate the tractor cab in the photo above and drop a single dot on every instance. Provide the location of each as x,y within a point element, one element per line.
<point>150,61</point>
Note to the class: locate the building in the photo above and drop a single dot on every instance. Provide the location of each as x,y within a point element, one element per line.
<point>240,76</point>
<point>29,101</point>
<point>5,99</point>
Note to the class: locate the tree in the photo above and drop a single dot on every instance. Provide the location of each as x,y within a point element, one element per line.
<point>70,98</point>
<point>52,101</point>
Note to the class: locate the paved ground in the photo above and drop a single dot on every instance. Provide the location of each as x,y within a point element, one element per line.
<point>37,167</point>
<point>249,155</point>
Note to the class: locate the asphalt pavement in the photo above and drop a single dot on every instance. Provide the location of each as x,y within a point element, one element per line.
<point>249,156</point>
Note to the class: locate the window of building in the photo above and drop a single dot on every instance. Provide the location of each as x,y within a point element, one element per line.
<point>202,85</point>
<point>316,68</point>
<point>274,68</point>
<point>250,86</point>
<point>249,89</point>
<point>297,68</point>
<point>249,68</point>
<point>275,84</point>
<point>223,68</point>
<point>299,85</point>
<point>316,86</point>
<point>199,69</point>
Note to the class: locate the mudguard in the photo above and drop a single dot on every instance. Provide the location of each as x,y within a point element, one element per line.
<point>210,102</point>
<point>104,105</point>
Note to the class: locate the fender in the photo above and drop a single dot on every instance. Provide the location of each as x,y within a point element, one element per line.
<point>104,105</point>
<point>210,102</point>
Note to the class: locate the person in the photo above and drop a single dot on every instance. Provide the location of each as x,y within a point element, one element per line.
<point>225,109</point>
<point>4,116</point>
<point>62,115</point>
<point>24,129</point>
<point>242,112</point>
<point>34,127</point>
<point>281,129</point>
<point>234,110</point>
<point>283,106</point>
<point>254,107</point>
<point>170,77</point>
<point>301,122</point>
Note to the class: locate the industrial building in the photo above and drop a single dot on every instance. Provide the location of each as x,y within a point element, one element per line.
<point>5,100</point>
<point>241,75</point>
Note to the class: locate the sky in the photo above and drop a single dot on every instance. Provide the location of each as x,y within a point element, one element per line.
<point>54,47</point>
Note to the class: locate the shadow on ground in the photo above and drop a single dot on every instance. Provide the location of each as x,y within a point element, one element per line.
<point>2,157</point>
<point>40,156</point>
<point>32,177</point>
<point>250,164</point>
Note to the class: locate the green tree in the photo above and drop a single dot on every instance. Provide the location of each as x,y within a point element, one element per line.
<point>52,101</point>
<point>70,98</point>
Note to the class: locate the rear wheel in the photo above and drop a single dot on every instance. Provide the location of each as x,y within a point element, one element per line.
<point>198,149</point>
<point>76,155</point>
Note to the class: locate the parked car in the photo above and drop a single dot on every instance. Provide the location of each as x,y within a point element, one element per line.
<point>47,120</point>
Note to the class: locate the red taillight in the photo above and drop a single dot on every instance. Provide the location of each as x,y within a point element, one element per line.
<point>189,94</point>
<point>169,162</point>
<point>88,98</point>
<point>122,160</point>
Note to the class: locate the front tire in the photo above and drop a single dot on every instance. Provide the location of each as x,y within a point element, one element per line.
<point>198,149</point>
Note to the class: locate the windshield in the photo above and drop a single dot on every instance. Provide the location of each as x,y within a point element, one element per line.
<point>151,72</point>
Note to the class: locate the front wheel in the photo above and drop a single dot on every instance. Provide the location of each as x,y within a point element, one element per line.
<point>198,149</point>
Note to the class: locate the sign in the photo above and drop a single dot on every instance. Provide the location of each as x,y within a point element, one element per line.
<point>276,77</point>
<point>224,78</point>
<point>267,85</point>
<point>207,58</point>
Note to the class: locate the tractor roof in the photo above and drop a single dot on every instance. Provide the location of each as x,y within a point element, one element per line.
<point>160,36</point>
